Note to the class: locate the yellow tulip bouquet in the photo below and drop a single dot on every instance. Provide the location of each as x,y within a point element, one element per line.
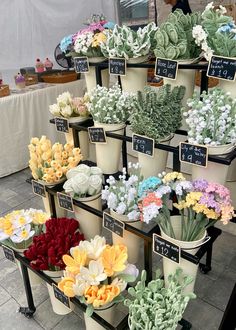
<point>97,273</point>
<point>50,163</point>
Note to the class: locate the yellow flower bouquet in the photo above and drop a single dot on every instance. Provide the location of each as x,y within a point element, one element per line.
<point>50,163</point>
<point>97,273</point>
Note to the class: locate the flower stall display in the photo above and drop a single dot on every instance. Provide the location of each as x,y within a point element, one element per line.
<point>157,115</point>
<point>200,203</point>
<point>212,122</point>
<point>47,250</point>
<point>97,273</point>
<point>134,46</point>
<point>122,200</point>
<point>85,185</point>
<point>174,41</point>
<point>155,305</point>
<point>110,108</point>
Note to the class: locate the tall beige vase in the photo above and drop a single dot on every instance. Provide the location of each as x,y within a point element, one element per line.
<point>107,313</point>
<point>90,77</point>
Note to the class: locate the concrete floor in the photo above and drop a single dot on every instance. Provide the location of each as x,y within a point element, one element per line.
<point>205,313</point>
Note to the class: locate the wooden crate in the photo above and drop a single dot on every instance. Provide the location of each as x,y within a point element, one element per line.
<point>30,79</point>
<point>4,90</point>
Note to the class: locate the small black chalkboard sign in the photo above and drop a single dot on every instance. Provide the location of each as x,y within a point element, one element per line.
<point>38,188</point>
<point>193,154</point>
<point>81,64</point>
<point>166,248</point>
<point>97,135</point>
<point>222,68</point>
<point>65,202</point>
<point>62,125</point>
<point>166,68</point>
<point>9,253</point>
<point>143,144</point>
<point>113,225</point>
<point>61,296</point>
<point>117,66</point>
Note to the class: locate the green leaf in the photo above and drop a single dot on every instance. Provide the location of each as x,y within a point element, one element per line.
<point>118,299</point>
<point>127,278</point>
<point>89,310</point>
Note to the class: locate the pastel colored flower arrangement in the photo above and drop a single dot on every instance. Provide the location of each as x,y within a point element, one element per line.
<point>47,249</point>
<point>97,273</point>
<point>50,163</point>
<point>211,119</point>
<point>83,181</point>
<point>199,202</point>
<point>122,195</point>
<point>68,107</point>
<point>18,227</point>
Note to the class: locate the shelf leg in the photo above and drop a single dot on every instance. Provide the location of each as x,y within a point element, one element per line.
<point>148,259</point>
<point>229,321</point>
<point>124,153</point>
<point>205,268</point>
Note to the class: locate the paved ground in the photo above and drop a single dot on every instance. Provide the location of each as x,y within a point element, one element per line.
<point>205,313</point>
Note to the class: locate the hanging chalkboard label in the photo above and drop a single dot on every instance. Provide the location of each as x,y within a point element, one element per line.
<point>62,125</point>
<point>61,296</point>
<point>38,188</point>
<point>97,135</point>
<point>113,225</point>
<point>166,248</point>
<point>193,154</point>
<point>117,66</point>
<point>222,68</point>
<point>81,64</point>
<point>9,253</point>
<point>65,202</point>
<point>143,144</point>
<point>166,68</point>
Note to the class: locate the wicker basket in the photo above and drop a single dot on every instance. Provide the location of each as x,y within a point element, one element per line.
<point>31,79</point>
<point>4,90</point>
<point>60,78</point>
<point>212,82</point>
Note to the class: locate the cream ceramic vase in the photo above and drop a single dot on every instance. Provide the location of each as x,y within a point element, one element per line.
<point>107,313</point>
<point>90,77</point>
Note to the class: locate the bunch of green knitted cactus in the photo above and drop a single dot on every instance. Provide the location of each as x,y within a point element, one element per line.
<point>154,307</point>
<point>174,38</point>
<point>157,114</point>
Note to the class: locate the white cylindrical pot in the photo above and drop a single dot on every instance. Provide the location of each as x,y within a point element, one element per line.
<point>90,77</point>
<point>90,224</point>
<point>132,241</point>
<point>189,268</point>
<point>69,136</point>
<point>108,154</point>
<point>135,78</point>
<point>61,213</point>
<point>57,306</point>
<point>107,313</point>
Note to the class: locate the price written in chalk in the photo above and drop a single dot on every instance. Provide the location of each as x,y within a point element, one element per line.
<point>193,154</point>
<point>62,125</point>
<point>97,135</point>
<point>9,253</point>
<point>143,144</point>
<point>65,202</point>
<point>166,68</point>
<point>166,249</point>
<point>113,225</point>
<point>38,188</point>
<point>117,66</point>
<point>59,295</point>
<point>222,68</point>
<point>81,64</point>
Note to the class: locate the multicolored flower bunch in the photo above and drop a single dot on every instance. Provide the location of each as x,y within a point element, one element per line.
<point>47,249</point>
<point>97,273</point>
<point>200,203</point>
<point>18,227</point>
<point>50,163</point>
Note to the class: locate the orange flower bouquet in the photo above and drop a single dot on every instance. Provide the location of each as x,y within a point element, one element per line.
<point>97,273</point>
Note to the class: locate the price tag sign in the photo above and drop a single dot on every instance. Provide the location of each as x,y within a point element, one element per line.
<point>9,253</point>
<point>97,135</point>
<point>38,188</point>
<point>193,154</point>
<point>166,248</point>
<point>117,66</point>
<point>62,125</point>
<point>81,64</point>
<point>143,144</point>
<point>61,296</point>
<point>222,68</point>
<point>113,225</point>
<point>166,68</point>
<point>65,202</point>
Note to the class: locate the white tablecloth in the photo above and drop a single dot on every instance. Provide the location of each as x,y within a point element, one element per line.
<point>23,116</point>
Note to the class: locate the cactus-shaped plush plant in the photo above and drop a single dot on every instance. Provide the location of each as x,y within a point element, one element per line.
<point>174,38</point>
<point>154,307</point>
<point>157,114</point>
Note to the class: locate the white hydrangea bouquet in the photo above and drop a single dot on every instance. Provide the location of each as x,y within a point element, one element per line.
<point>211,120</point>
<point>83,181</point>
